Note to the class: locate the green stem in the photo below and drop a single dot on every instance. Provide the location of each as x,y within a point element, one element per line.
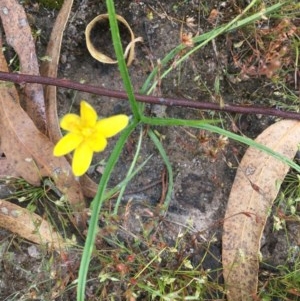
<point>203,124</point>
<point>130,171</point>
<point>96,207</point>
<point>165,158</point>
<point>121,60</point>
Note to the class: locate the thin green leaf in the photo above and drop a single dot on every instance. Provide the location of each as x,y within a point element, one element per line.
<point>205,39</point>
<point>96,207</point>
<point>250,142</point>
<point>168,165</point>
<point>128,178</point>
<point>130,171</point>
<point>204,124</point>
<point>114,28</point>
<point>174,122</point>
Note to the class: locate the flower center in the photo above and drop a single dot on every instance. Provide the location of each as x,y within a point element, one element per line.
<point>87,131</point>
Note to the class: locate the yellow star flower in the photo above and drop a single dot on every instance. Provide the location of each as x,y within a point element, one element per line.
<point>86,135</point>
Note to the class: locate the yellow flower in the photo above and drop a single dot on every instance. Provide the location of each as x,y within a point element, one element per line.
<point>87,135</point>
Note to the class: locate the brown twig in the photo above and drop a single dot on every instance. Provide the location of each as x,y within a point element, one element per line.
<point>164,188</point>
<point>179,102</point>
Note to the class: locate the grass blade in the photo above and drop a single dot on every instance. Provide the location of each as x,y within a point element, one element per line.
<point>168,166</point>
<point>130,171</point>
<point>96,207</point>
<point>205,39</point>
<point>204,124</point>
<point>121,60</point>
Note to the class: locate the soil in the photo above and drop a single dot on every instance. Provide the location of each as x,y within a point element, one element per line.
<point>203,171</point>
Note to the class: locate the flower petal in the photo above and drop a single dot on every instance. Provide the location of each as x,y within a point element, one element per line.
<point>88,114</point>
<point>82,159</point>
<point>111,126</point>
<point>71,123</point>
<point>96,142</point>
<point>66,144</point>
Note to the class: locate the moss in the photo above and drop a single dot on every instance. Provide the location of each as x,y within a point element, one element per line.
<point>51,4</point>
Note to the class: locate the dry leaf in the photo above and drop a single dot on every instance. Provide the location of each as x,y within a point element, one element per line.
<point>254,189</point>
<point>7,168</point>
<point>49,69</point>
<point>10,163</point>
<point>213,16</point>
<point>18,34</point>
<point>32,153</point>
<point>99,56</point>
<point>29,225</point>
